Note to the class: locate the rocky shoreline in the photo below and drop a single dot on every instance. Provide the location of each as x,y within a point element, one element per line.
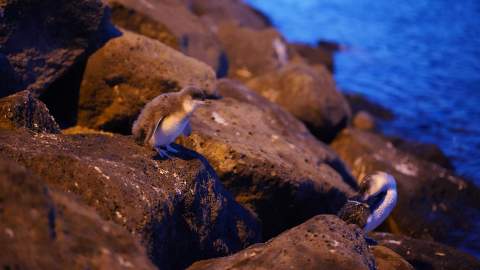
<point>256,185</point>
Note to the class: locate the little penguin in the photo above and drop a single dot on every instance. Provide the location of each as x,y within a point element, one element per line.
<point>376,200</point>
<point>166,117</point>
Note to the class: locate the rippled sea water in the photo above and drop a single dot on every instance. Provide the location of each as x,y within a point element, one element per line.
<point>419,58</point>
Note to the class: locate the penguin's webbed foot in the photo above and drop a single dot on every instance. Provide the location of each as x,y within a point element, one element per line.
<point>163,153</point>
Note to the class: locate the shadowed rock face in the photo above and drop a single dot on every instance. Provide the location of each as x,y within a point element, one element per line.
<point>23,110</point>
<point>268,159</point>
<point>177,207</point>
<point>128,72</point>
<point>323,242</point>
<point>47,229</point>
<point>35,52</point>
<point>427,255</point>
<point>194,38</point>
<point>430,196</point>
<point>309,94</point>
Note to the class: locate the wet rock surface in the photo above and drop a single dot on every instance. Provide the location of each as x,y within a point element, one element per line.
<point>23,110</point>
<point>309,94</point>
<point>42,228</point>
<point>128,72</point>
<point>429,196</point>
<point>177,208</point>
<point>427,255</point>
<point>194,38</point>
<point>35,52</point>
<point>272,165</point>
<point>323,242</point>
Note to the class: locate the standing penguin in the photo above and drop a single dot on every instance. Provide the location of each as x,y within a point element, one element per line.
<point>166,117</point>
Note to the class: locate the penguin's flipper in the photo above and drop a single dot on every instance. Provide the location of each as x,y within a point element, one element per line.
<point>153,132</point>
<point>187,130</point>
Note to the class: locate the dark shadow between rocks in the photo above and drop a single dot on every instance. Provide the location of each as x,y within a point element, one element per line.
<point>340,168</point>
<point>62,96</point>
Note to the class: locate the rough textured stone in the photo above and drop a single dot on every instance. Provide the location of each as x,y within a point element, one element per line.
<point>35,51</point>
<point>178,207</point>
<point>127,73</point>
<point>386,259</point>
<point>221,11</point>
<point>430,196</point>
<point>309,94</point>
<point>46,229</point>
<point>23,110</point>
<point>195,39</point>
<point>323,242</point>
<point>250,52</point>
<point>427,255</point>
<point>268,159</point>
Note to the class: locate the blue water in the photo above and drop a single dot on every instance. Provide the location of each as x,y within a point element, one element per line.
<point>420,58</point>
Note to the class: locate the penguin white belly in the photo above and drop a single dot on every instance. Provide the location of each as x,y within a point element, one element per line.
<point>170,128</point>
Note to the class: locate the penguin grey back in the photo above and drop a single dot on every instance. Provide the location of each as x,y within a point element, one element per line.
<point>159,107</point>
<point>153,111</point>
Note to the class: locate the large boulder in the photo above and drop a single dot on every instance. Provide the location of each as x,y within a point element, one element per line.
<point>252,52</point>
<point>132,20</point>
<point>128,72</point>
<point>364,109</point>
<point>193,37</point>
<point>323,242</point>
<point>429,196</point>
<point>177,208</point>
<point>427,255</point>
<point>42,228</point>
<point>22,110</point>
<point>236,11</point>
<point>268,159</point>
<point>309,94</point>
<point>36,51</point>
